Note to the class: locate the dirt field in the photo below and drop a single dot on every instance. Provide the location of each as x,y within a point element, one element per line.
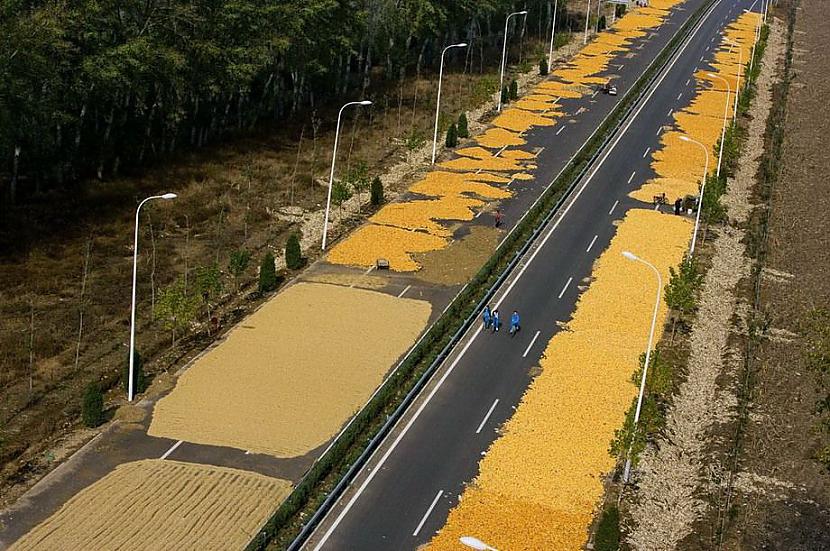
<point>291,375</point>
<point>783,499</point>
<point>156,504</point>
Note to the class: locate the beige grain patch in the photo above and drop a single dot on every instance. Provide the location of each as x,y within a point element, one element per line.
<point>459,262</point>
<point>288,377</point>
<point>155,504</point>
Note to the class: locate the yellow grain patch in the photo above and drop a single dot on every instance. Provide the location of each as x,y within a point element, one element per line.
<point>368,243</point>
<point>673,188</point>
<point>155,504</point>
<point>499,137</point>
<point>495,164</point>
<point>560,90</point>
<point>519,120</point>
<point>522,176</point>
<point>422,215</point>
<point>287,378</point>
<point>548,464</point>
<point>444,184</point>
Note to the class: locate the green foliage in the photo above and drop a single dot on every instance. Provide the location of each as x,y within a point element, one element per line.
<point>601,23</point>
<point>139,380</point>
<point>713,210</point>
<point>452,136</point>
<point>525,66</point>
<point>293,254</point>
<point>815,329</point>
<point>358,178</point>
<point>684,284</point>
<point>239,262</point>
<point>514,90</point>
<point>207,285</point>
<point>608,530</point>
<point>543,67</point>
<point>620,9</point>
<point>415,140</point>
<point>267,273</point>
<point>92,410</point>
<point>483,89</point>
<point>376,191</point>
<point>505,95</point>
<point>175,309</point>
<point>463,131</point>
<point>340,193</point>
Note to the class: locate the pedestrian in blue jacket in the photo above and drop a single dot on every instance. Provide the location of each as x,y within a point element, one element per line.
<point>514,323</point>
<point>486,317</point>
<point>496,321</point>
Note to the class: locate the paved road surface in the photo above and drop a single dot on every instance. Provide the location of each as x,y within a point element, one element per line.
<point>406,491</point>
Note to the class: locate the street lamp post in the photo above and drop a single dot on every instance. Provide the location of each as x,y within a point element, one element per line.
<point>552,34</point>
<point>587,17</point>
<point>333,158</point>
<point>702,186</point>
<point>504,53</point>
<point>737,76</point>
<point>632,256</point>
<point>475,543</point>
<point>131,372</point>
<point>725,116</point>
<point>438,101</point>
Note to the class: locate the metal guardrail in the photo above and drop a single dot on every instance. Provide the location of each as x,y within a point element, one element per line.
<point>630,101</point>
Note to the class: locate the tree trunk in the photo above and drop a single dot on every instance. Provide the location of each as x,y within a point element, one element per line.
<point>81,302</point>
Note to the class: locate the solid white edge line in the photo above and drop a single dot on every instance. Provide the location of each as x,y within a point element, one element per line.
<point>594,240</point>
<point>489,413</point>
<point>532,342</point>
<point>613,207</point>
<point>426,515</point>
<point>172,449</point>
<point>408,287</point>
<point>455,362</point>
<point>565,288</point>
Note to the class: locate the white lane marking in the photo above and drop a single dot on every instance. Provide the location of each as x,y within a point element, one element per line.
<point>431,507</point>
<point>659,129</point>
<point>541,245</point>
<point>560,130</point>
<point>478,214</point>
<point>408,287</point>
<point>701,59</point>
<point>630,178</point>
<point>670,112</point>
<point>594,94</point>
<point>594,240</point>
<point>540,151</point>
<point>489,413</point>
<point>621,66</point>
<point>687,81</point>
<point>657,206</point>
<point>172,449</point>
<point>696,69</point>
<point>536,336</point>
<point>646,152</point>
<point>707,49</point>
<point>499,152</point>
<point>680,95</point>
<point>565,288</point>
<point>613,207</point>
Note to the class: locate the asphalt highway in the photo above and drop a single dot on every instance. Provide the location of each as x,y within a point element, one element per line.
<point>404,494</point>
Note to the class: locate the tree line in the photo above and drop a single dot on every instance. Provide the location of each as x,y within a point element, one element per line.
<point>99,87</point>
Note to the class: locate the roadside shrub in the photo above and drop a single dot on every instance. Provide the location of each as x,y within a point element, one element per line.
<point>293,254</point>
<point>240,259</point>
<point>463,131</point>
<point>608,530</point>
<point>376,191</point>
<point>602,23</point>
<point>452,136</point>
<point>267,274</point>
<point>92,410</point>
<point>505,95</point>
<point>139,381</point>
<point>514,90</point>
<point>682,289</point>
<point>543,67</point>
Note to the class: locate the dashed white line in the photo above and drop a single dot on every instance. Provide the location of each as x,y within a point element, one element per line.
<point>431,507</point>
<point>659,129</point>
<point>629,179</point>
<point>489,413</point>
<point>613,207</point>
<point>646,152</point>
<point>670,112</point>
<point>594,94</point>
<point>408,287</point>
<point>707,49</point>
<point>594,240</point>
<point>565,288</point>
<point>560,130</point>
<point>701,59</point>
<point>499,152</point>
<point>172,449</point>
<point>536,336</point>
<point>680,95</point>
<point>621,66</point>
<point>687,81</point>
<point>540,151</point>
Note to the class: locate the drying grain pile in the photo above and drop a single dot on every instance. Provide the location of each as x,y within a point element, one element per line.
<point>285,380</point>
<point>155,504</point>
<point>540,482</point>
<point>399,231</point>
<point>679,164</point>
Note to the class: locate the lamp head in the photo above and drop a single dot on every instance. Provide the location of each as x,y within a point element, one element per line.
<point>461,45</point>
<point>366,102</point>
<point>629,255</point>
<point>169,196</point>
<point>474,543</point>
<point>523,12</point>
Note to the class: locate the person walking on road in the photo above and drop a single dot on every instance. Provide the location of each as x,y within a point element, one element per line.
<point>485,316</point>
<point>514,323</point>
<point>498,217</point>
<point>496,321</point>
